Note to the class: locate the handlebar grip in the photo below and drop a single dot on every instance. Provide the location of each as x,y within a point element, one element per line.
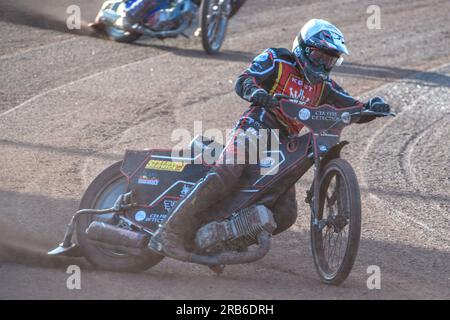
<point>378,114</point>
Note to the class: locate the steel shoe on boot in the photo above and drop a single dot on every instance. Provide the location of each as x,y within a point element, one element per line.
<point>170,244</point>
<point>186,216</point>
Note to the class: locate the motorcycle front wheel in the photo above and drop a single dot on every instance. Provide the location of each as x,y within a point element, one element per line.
<point>335,239</point>
<point>101,194</point>
<point>213,23</point>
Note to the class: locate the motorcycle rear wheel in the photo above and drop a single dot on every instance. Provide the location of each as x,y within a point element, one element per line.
<point>213,23</point>
<point>340,208</point>
<point>102,193</point>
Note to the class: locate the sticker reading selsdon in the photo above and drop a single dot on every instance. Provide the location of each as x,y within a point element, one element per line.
<point>165,165</point>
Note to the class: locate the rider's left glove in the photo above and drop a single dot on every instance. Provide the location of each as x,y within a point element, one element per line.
<point>377,104</point>
<point>262,99</point>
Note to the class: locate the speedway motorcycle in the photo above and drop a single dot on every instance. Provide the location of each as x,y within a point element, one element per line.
<point>124,205</point>
<point>205,18</point>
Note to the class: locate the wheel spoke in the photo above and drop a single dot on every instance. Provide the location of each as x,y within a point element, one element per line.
<point>336,238</point>
<point>333,255</point>
<point>335,235</point>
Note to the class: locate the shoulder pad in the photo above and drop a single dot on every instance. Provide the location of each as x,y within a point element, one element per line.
<point>281,53</point>
<point>262,63</point>
<point>265,62</point>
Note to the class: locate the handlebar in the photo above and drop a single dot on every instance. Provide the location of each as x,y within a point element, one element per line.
<point>378,114</point>
<point>365,112</point>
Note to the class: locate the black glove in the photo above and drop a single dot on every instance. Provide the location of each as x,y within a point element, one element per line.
<point>377,104</point>
<point>262,99</point>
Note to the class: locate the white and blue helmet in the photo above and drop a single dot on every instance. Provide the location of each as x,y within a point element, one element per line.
<point>319,46</point>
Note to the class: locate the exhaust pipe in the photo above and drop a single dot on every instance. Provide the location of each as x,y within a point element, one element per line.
<point>67,248</point>
<point>112,235</point>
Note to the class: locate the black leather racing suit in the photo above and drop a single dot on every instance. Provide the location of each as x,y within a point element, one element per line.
<point>276,71</point>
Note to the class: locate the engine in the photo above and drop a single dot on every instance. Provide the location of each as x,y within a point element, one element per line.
<point>237,232</point>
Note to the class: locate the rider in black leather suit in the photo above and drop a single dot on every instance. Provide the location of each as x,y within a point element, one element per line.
<point>304,75</point>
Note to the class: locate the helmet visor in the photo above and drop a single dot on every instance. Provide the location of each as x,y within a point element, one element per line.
<point>320,58</point>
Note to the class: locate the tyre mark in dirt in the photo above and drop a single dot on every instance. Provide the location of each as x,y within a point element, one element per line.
<point>398,213</point>
<point>60,150</point>
<point>46,46</point>
<point>407,151</point>
<point>91,76</point>
<point>88,77</point>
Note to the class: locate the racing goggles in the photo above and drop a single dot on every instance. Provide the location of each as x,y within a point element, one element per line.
<point>320,58</point>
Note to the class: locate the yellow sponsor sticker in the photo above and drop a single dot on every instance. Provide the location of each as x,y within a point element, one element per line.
<point>165,165</point>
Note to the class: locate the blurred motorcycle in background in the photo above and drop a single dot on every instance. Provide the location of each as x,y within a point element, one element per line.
<point>207,19</point>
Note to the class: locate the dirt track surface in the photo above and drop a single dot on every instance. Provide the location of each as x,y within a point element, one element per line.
<point>70,104</point>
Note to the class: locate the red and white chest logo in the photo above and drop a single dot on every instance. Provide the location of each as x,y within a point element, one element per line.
<point>298,90</point>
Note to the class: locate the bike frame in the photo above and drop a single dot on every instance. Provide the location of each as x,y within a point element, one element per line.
<point>325,123</point>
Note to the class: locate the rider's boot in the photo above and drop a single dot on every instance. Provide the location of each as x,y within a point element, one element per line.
<point>188,214</point>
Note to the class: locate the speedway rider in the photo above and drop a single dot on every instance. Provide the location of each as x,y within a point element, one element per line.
<point>304,74</point>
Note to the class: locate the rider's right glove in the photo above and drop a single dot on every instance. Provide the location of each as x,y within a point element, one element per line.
<point>262,99</point>
<point>377,104</point>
